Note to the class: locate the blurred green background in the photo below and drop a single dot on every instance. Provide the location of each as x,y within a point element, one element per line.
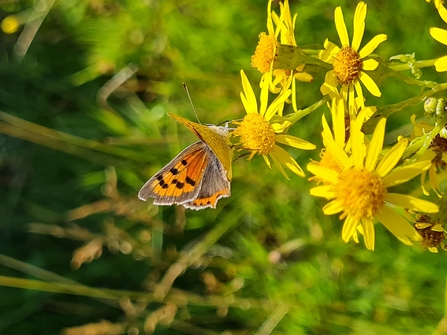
<point>85,88</point>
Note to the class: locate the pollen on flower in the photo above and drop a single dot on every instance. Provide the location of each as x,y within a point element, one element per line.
<point>361,193</point>
<point>347,65</point>
<point>263,56</point>
<point>256,134</point>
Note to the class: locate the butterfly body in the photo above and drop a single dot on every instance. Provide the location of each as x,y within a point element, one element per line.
<point>199,175</point>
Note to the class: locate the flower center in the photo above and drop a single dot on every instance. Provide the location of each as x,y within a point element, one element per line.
<point>256,134</point>
<point>347,65</point>
<point>263,57</point>
<point>361,193</point>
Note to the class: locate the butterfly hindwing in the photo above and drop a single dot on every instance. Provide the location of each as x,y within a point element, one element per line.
<point>215,185</point>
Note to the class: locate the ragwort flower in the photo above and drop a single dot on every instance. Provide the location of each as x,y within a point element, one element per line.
<point>440,35</point>
<point>281,30</point>
<point>262,128</point>
<point>360,190</point>
<point>349,63</point>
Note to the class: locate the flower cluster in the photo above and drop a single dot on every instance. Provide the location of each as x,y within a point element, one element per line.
<point>356,172</point>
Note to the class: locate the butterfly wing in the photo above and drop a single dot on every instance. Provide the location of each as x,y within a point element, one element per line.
<point>215,185</point>
<point>181,179</point>
<point>215,137</point>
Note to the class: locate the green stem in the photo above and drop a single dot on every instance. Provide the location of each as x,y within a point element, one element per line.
<point>408,66</point>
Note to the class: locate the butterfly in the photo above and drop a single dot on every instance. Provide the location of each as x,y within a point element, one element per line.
<point>199,175</point>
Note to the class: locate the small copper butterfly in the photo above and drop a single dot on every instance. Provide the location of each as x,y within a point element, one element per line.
<point>199,175</point>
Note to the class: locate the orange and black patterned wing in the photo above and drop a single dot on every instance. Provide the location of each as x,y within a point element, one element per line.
<point>180,181</point>
<point>215,185</point>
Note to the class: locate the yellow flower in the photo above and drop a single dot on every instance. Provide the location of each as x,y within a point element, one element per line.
<point>264,56</point>
<point>349,64</point>
<point>262,128</point>
<point>360,190</point>
<point>440,35</point>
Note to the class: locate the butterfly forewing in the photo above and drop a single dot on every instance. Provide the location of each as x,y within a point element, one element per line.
<point>180,180</point>
<point>216,139</point>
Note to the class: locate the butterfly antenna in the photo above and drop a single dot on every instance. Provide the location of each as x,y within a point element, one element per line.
<point>190,101</point>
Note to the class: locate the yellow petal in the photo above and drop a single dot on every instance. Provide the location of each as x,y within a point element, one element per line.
<point>326,191</point>
<point>369,235</point>
<point>396,224</point>
<point>376,145</point>
<point>324,173</point>
<point>264,96</point>
<point>361,98</point>
<point>441,64</point>
<point>248,96</point>
<point>372,45</point>
<point>332,207</point>
<point>358,148</point>
<point>304,77</point>
<point>337,151</point>
<point>359,25</point>
<point>439,35</point>
<point>279,166</point>
<point>442,12</point>
<point>341,27</point>
<point>338,120</point>
<point>284,157</point>
<point>392,158</point>
<point>330,50</point>
<point>370,64</point>
<point>349,228</point>
<point>412,203</point>
<point>267,161</point>
<point>403,175</point>
<point>370,85</point>
<point>295,142</point>
<point>276,104</point>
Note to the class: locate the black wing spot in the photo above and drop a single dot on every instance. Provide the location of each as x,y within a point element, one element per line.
<point>159,177</point>
<point>174,171</point>
<point>190,181</point>
<point>184,162</point>
<point>163,184</point>
<point>179,185</point>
